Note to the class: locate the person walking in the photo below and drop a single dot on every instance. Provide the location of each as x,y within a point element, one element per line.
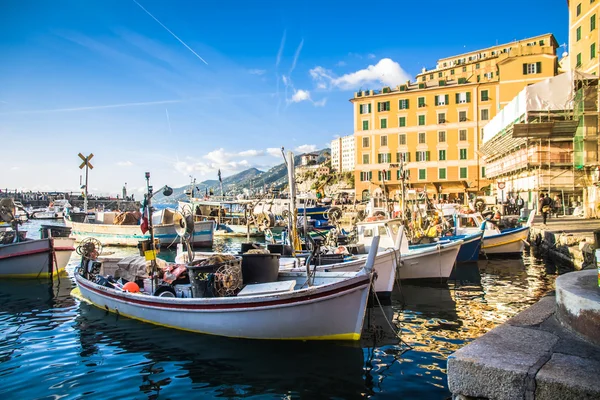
<point>520,203</point>
<point>557,205</point>
<point>545,207</point>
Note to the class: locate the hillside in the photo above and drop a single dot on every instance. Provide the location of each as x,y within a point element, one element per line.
<point>252,179</point>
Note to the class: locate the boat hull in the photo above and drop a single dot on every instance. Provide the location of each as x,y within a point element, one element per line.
<point>230,230</point>
<point>507,242</point>
<point>432,262</point>
<point>41,258</point>
<point>130,235</point>
<point>329,312</point>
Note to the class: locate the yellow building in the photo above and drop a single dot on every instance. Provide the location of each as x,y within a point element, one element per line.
<point>432,127</point>
<point>584,35</point>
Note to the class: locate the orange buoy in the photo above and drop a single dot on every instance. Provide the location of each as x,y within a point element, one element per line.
<point>131,287</point>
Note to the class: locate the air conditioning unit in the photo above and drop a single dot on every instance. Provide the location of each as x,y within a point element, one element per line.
<point>462,101</point>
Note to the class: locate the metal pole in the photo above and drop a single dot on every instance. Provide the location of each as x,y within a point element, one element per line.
<point>151,230</point>
<point>85,197</point>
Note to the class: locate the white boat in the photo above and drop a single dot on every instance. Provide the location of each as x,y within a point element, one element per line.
<point>55,210</point>
<point>495,241</point>
<point>35,258</point>
<point>333,308</point>
<point>165,230</point>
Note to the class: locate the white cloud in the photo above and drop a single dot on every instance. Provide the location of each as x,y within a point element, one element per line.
<point>300,95</point>
<point>385,72</point>
<point>306,148</point>
<point>251,153</point>
<point>284,79</point>
<point>341,64</point>
<point>320,103</point>
<point>124,163</point>
<point>257,71</point>
<point>274,151</point>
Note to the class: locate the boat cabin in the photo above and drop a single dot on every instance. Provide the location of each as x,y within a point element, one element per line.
<point>390,232</point>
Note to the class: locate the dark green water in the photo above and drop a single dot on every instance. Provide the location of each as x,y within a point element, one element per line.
<point>51,346</point>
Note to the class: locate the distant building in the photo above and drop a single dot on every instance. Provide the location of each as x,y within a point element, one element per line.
<point>323,170</point>
<point>431,128</point>
<point>342,153</point>
<point>584,36</point>
<point>308,158</point>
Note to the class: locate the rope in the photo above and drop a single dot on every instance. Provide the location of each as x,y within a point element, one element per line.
<point>397,332</point>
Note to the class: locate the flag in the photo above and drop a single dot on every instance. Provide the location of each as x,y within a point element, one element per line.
<point>219,173</point>
<point>144,223</point>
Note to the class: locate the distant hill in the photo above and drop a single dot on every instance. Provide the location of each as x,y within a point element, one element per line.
<point>251,179</point>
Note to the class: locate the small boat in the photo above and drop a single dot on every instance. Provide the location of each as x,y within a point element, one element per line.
<point>34,258</point>
<point>55,210</point>
<point>333,308</point>
<point>495,241</point>
<point>469,250</point>
<point>164,224</point>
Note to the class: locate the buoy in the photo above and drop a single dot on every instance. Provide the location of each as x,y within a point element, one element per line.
<point>131,287</point>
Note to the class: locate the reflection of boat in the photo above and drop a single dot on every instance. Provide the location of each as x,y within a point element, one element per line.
<point>430,301</point>
<point>109,233</point>
<point>217,365</point>
<point>331,309</point>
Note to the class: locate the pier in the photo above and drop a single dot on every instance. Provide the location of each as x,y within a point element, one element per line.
<point>43,199</point>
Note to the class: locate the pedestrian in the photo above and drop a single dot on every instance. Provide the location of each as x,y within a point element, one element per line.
<point>545,206</point>
<point>557,205</point>
<point>520,203</point>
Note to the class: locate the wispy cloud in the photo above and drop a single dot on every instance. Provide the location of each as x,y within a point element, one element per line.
<point>169,122</point>
<point>257,71</point>
<point>277,62</point>
<point>306,148</point>
<point>124,163</point>
<point>300,95</point>
<point>296,55</point>
<point>220,159</point>
<point>274,151</point>
<point>371,56</point>
<point>320,103</point>
<point>120,105</point>
<point>172,34</point>
<point>340,64</point>
<point>251,153</point>
<point>386,72</point>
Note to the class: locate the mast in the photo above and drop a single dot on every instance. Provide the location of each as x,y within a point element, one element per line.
<point>294,239</point>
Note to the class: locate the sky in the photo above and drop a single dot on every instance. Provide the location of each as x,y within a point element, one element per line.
<point>182,88</point>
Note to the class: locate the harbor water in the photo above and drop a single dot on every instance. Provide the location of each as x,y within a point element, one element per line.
<point>52,346</point>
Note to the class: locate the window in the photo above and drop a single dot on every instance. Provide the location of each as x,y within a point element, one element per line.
<point>442,155</point>
<point>421,102</point>
<point>462,135</point>
<point>477,66</point>
<point>451,72</point>
<point>423,78</point>
<point>532,68</point>
<point>593,50</point>
<point>485,114</point>
<point>365,142</point>
<point>403,104</point>
<point>464,69</point>
<point>422,174</point>
<point>430,76</point>
<point>366,176</point>
<point>578,60</point>
<point>365,159</point>
<point>442,100</point>
<point>402,121</point>
<point>365,125</point>
<point>402,139</point>
<point>365,108</point>
<point>421,120</point>
<point>462,116</point>
<point>578,9</point>
<point>483,172</point>
<point>592,22</point>
<point>484,95</point>
<point>384,140</point>
<point>442,173</point>
<point>384,158</point>
<point>578,34</point>
<point>383,106</point>
<point>405,157</point>
<point>386,174</point>
<point>442,137</point>
<point>421,137</point>
<point>383,123</point>
<point>464,97</point>
<point>463,173</point>
<point>463,154</point>
<point>440,75</point>
<point>441,118</point>
<point>422,156</point>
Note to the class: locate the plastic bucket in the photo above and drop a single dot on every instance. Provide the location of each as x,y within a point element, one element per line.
<point>260,268</point>
<point>202,277</point>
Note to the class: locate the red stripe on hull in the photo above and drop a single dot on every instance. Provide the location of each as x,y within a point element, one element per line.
<point>25,253</point>
<point>362,282</point>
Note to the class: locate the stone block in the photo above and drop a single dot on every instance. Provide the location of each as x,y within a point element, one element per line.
<point>496,365</point>
<point>568,377</point>
<point>536,314</point>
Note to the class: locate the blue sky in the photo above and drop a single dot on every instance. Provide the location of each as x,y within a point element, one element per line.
<point>182,88</point>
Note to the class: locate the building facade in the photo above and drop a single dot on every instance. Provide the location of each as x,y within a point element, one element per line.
<point>584,35</point>
<point>342,153</point>
<point>429,131</point>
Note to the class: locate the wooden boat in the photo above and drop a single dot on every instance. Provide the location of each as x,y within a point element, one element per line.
<point>55,210</point>
<point>230,216</point>
<point>333,308</point>
<point>35,258</point>
<point>469,250</point>
<point>165,230</point>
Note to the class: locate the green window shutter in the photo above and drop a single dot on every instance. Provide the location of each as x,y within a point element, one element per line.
<point>397,157</point>
<point>538,67</point>
<point>387,104</point>
<point>593,50</point>
<point>468,97</point>
<point>436,100</point>
<point>457,98</point>
<point>369,108</point>
<point>417,156</point>
<point>378,107</point>
<point>524,69</point>
<point>407,157</point>
<point>407,104</point>
<point>447,98</point>
<point>427,156</point>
